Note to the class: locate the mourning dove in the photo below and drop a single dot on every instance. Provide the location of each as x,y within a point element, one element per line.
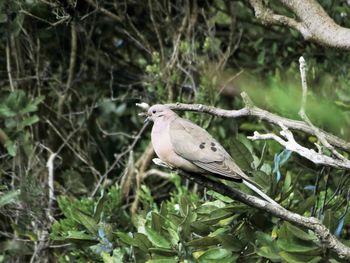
<point>184,145</point>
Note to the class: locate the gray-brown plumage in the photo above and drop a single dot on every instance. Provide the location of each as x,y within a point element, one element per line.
<point>185,145</point>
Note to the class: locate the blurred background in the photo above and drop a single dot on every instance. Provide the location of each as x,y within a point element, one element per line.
<point>76,179</point>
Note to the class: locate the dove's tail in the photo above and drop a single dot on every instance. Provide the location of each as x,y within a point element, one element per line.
<point>261,193</point>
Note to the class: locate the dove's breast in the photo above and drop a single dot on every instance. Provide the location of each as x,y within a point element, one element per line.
<point>164,149</point>
<point>161,140</point>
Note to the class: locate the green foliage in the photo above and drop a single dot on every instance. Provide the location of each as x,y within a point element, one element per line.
<point>89,223</point>
<point>16,114</point>
<point>187,227</point>
<point>8,197</point>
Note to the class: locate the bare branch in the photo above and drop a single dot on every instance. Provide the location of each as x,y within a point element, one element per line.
<point>8,66</point>
<point>73,55</point>
<point>323,233</point>
<point>303,115</point>
<point>314,23</point>
<point>104,11</point>
<point>268,17</point>
<point>156,29</point>
<point>292,145</point>
<point>50,167</point>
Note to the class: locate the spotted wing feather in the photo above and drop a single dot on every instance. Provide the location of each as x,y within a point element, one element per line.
<point>196,145</point>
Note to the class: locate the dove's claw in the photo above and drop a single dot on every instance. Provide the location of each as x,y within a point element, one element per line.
<point>159,162</point>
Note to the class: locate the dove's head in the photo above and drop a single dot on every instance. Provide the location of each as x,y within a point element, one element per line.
<point>158,112</point>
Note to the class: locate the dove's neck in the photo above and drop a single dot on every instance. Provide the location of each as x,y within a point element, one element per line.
<point>160,136</point>
<point>161,124</point>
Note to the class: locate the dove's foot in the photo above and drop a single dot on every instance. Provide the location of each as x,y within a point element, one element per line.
<point>159,162</point>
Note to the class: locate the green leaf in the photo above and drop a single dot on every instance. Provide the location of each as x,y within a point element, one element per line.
<point>305,205</point>
<point>162,260</point>
<point>241,155</point>
<point>289,246</point>
<point>292,258</point>
<point>297,232</point>
<point>9,197</point>
<point>217,215</point>
<point>184,205</point>
<point>110,259</point>
<point>189,217</point>
<point>215,254</point>
<point>269,252</point>
<point>14,98</point>
<point>174,236</point>
<point>220,197</point>
<point>200,228</point>
<point>203,242</point>
<point>287,182</point>
<point>87,221</point>
<point>329,220</point>
<point>11,148</point>
<point>6,112</point>
<point>81,235</point>
<point>231,242</point>
<point>208,207</point>
<point>156,222</point>
<point>32,106</point>
<point>125,238</point>
<point>98,209</point>
<point>142,242</point>
<point>28,121</point>
<point>163,209</point>
<point>162,251</point>
<point>156,238</point>
<point>11,123</point>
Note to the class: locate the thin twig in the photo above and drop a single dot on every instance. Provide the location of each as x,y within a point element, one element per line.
<point>302,113</point>
<point>73,55</point>
<point>117,160</point>
<point>104,11</point>
<point>290,144</point>
<point>106,133</point>
<point>50,167</point>
<point>8,65</point>
<point>156,29</point>
<point>65,140</point>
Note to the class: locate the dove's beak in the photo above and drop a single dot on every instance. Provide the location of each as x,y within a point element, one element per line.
<point>147,119</point>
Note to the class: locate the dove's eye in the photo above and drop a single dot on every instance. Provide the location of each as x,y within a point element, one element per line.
<point>154,112</point>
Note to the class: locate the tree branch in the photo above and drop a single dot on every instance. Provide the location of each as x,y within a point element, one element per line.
<point>104,11</point>
<point>251,110</point>
<point>323,233</point>
<point>316,157</point>
<point>268,17</point>
<point>291,145</point>
<point>314,23</point>
<point>8,65</point>
<point>302,113</point>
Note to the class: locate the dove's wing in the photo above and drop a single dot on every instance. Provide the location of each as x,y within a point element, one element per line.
<point>196,145</point>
